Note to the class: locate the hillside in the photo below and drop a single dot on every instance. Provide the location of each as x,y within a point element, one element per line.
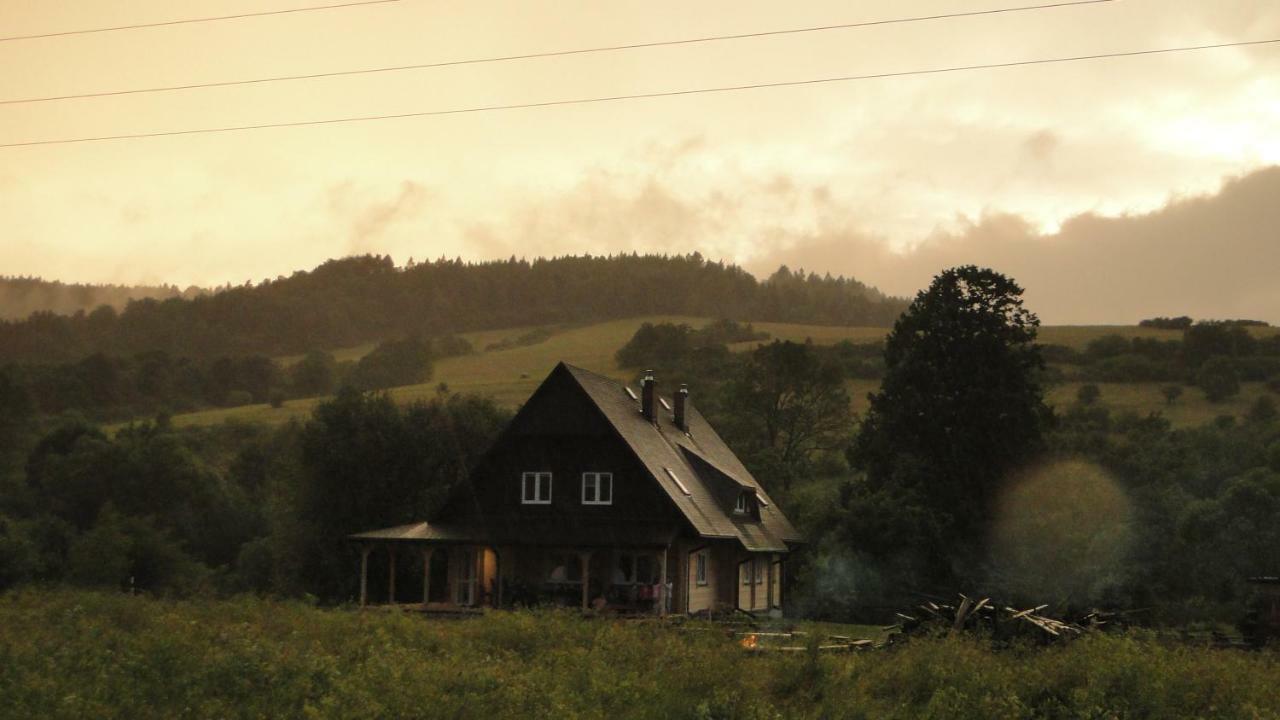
<point>367,299</point>
<point>22,296</point>
<point>510,375</point>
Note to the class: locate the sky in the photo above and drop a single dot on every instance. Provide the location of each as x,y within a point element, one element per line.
<point>1111,189</point>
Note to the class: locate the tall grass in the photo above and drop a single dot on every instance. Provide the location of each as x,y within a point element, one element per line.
<point>79,655</point>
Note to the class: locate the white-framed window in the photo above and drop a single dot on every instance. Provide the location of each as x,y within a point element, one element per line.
<point>597,488</point>
<point>700,567</point>
<point>740,507</point>
<point>759,570</point>
<point>747,569</point>
<point>535,488</point>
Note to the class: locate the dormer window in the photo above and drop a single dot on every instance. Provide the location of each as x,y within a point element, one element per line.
<point>535,488</point>
<point>742,505</point>
<point>597,488</point>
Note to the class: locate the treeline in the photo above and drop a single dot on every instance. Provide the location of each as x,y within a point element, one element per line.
<point>1209,353</point>
<point>107,388</point>
<point>229,508</point>
<point>22,296</point>
<point>1085,507</point>
<point>363,299</point>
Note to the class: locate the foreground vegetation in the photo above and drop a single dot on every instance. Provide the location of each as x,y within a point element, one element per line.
<point>75,655</point>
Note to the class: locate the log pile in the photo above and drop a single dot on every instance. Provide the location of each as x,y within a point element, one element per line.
<point>999,620</point>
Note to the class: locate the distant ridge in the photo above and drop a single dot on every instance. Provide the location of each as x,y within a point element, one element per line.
<point>22,296</point>
<point>368,298</point>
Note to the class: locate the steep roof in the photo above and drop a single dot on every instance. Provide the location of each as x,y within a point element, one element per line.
<point>665,450</point>
<point>696,470</point>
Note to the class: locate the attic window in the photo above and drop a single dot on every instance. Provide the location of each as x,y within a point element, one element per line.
<point>679,484</point>
<point>741,506</point>
<point>631,393</point>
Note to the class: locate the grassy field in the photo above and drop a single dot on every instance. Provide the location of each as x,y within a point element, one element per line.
<point>66,654</point>
<point>510,375</point>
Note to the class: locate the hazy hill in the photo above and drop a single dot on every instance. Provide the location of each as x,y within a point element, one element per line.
<point>362,299</point>
<point>22,296</point>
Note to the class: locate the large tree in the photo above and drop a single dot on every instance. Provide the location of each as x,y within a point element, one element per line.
<point>784,406</point>
<point>960,408</point>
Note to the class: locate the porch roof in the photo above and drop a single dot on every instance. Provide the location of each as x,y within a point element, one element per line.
<point>524,531</point>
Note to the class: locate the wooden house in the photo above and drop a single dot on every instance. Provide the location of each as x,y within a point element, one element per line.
<point>603,497</point>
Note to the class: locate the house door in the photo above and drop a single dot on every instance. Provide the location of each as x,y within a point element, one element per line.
<point>465,587</point>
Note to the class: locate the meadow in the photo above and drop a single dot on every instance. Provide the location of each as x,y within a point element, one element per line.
<point>75,654</point>
<point>509,375</point>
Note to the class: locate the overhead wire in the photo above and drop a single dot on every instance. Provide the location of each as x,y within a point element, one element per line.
<point>639,96</point>
<point>551,53</point>
<point>186,21</point>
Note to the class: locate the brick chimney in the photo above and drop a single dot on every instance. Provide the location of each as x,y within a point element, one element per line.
<point>648,395</point>
<point>682,396</point>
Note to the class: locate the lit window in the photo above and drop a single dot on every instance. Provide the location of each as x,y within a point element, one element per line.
<point>597,488</point>
<point>535,488</point>
<point>701,572</point>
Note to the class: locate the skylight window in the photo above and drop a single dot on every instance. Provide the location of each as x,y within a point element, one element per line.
<point>679,484</point>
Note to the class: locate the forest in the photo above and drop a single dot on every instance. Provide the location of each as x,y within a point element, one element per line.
<point>368,299</point>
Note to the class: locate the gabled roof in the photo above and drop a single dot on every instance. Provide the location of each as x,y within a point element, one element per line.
<point>673,456</point>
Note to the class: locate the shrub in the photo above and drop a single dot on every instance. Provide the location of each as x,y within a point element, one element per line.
<point>1262,411</point>
<point>236,398</point>
<point>1217,378</point>
<point>276,399</point>
<point>1088,394</point>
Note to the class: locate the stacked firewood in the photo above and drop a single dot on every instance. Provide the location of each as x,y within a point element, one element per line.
<point>932,617</point>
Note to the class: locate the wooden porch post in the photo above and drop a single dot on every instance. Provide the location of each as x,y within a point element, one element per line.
<point>391,581</point>
<point>585,559</point>
<point>364,574</point>
<point>662,583</point>
<point>426,575</point>
<point>497,576</point>
<point>769,595</point>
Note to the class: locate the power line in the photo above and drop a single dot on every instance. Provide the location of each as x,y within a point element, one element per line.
<point>639,96</point>
<point>553,53</point>
<point>193,20</point>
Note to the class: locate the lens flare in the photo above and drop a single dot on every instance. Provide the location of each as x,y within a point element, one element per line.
<point>1061,535</point>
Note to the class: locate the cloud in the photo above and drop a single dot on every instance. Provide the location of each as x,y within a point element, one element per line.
<point>368,220</point>
<point>1208,256</point>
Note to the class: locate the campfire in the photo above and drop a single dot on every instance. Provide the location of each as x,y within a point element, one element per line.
<point>749,642</point>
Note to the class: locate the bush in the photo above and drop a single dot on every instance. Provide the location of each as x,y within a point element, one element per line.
<point>1128,367</point>
<point>1088,394</point>
<point>276,399</point>
<point>1167,323</point>
<point>1218,379</point>
<point>392,364</point>
<point>1262,411</point>
<point>236,398</point>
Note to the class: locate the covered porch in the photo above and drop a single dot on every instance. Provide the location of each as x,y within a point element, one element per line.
<point>453,570</point>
